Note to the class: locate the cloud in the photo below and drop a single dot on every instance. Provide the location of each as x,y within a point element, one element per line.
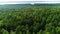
<point>28,1</point>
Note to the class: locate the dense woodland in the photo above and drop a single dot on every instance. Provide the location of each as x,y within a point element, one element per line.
<point>30,20</point>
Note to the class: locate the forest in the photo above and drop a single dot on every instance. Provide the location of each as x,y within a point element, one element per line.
<point>30,20</point>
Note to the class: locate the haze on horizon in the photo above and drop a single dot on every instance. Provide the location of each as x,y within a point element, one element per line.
<point>27,1</point>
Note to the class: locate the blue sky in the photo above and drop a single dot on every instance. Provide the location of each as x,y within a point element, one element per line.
<point>28,1</point>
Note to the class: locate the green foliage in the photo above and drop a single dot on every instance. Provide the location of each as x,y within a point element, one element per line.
<point>30,20</point>
<point>4,31</point>
<point>12,32</point>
